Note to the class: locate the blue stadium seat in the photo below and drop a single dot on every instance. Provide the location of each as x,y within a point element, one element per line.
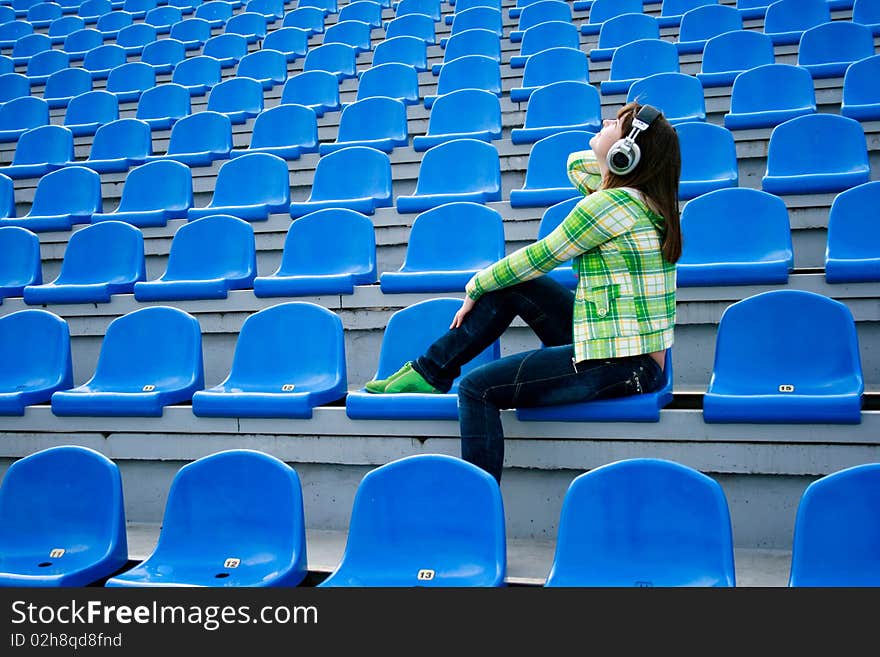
<point>163,105</point>
<point>307,270</point>
<point>289,359</point>
<point>468,72</point>
<point>40,15</point>
<point>12,31</point>
<point>352,33</point>
<point>549,66</point>
<point>768,95</point>
<point>464,5</point>
<point>199,139</point>
<point>64,197</point>
<point>559,107</point>
<point>365,11</point>
<point>537,13</point>
<point>238,98</point>
<point>637,60</point>
<point>318,90</point>
<point>89,111</point>
<point>447,245</point>
<point>77,44</point>
<point>391,80</point>
<point>861,97</point>
<point>483,18</point>
<point>186,7</point>
<point>192,32</point>
<point>475,41</point>
<point>552,34</point>
<point>775,363</point>
<point>677,95</point>
<point>232,518</point>
<point>100,261</point>
<point>409,332</point>
<point>550,220</point>
<point>305,18</point>
<point>152,194</point>
<point>43,64</point>
<point>335,187</point>
<point>228,48</point>
<point>163,55</point>
<point>604,10</point>
<point>283,130</point>
<point>103,59</point>
<point>61,27</point>
<point>91,10</point>
<point>292,42</point>
<point>129,80</point>
<point>414,25</point>
<point>827,50</point>
<point>466,113</point>
<point>270,10</point>
<point>786,20</point>
<point>867,12</point>
<point>546,181</point>
<point>335,58</point>
<point>836,533</point>
<point>643,522</point>
<point>623,29</point>
<point>208,257</point>
<point>110,24</point>
<point>118,145</point>
<point>251,25</point>
<point>704,22</point>
<point>162,18</point>
<point>708,159</point>
<point>28,46</point>
<point>250,187</point>
<point>672,11</point>
<point>20,115</point>
<point>402,50</point>
<point>134,37</point>
<point>853,251</point>
<point>815,154</point>
<point>198,74</point>
<point>139,8</point>
<point>378,122</point>
<point>39,151</point>
<point>21,264</point>
<point>427,520</point>
<point>427,7</point>
<point>458,170</point>
<point>735,237</point>
<point>326,6</point>
<point>752,9</point>
<point>63,517</point>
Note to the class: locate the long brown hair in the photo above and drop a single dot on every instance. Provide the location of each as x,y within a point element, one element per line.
<point>656,175</point>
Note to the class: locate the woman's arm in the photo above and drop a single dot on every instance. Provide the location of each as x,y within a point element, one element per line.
<point>584,172</point>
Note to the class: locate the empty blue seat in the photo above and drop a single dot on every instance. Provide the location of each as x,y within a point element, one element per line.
<point>239,98</point>
<point>271,10</point>
<point>475,41</point>
<point>402,50</point>
<point>786,20</point>
<point>704,22</point>
<point>637,60</point>
<point>283,130</point>
<point>110,24</point>
<point>768,95</point>
<point>827,50</point>
<point>467,113</point>
<point>305,18</point>
<point>318,90</point>
<point>559,107</point>
<point>391,80</point>
<point>100,261</point>
<point>61,27</point>
<point>643,522</point>
<point>232,518</point>
<point>326,6</point>
<point>604,10</point>
<point>365,11</point>
<point>216,12</point>
<point>427,7</point>
<point>64,197</point>
<point>192,32</point>
<point>861,97</point>
<point>815,154</point>
<point>447,245</point>
<point>251,25</point>
<point>208,257</point>
<point>78,43</point>
<point>91,10</point>
<point>623,29</point>
<point>163,105</point>
<point>425,520</point>
<point>415,25</point>
<point>64,519</point>
<point>162,18</point>
<point>198,74</point>
<point>468,72</point>
<point>677,95</point>
<point>552,34</point>
<point>546,179</point>
<point>378,122</point>
<point>735,237</point>
<point>39,15</point>
<point>335,58</point>
<point>836,533</point>
<point>775,363</point>
<point>199,139</point>
<point>409,332</point>
<point>89,111</point>
<point>44,64</point>
<point>469,4</point>
<point>853,251</point>
<point>550,220</point>
<point>352,33</point>
<point>482,18</point>
<point>227,48</point>
<point>129,80</point>
<point>292,42</point>
<point>152,194</point>
<point>119,145</point>
<point>457,170</point>
<point>103,59</point>
<point>867,12</point>
<point>288,359</point>
<point>39,151</point>
<point>12,31</point>
<point>134,37</point>
<point>28,46</point>
<point>549,66</point>
<point>708,159</point>
<point>21,264</point>
<point>163,55</point>
<point>20,115</point>
<point>672,11</point>
<point>307,269</point>
<point>537,13</point>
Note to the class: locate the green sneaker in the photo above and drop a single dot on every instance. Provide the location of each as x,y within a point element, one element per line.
<point>377,386</point>
<point>410,381</point>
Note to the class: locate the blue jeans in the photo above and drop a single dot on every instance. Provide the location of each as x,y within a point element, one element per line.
<point>540,377</point>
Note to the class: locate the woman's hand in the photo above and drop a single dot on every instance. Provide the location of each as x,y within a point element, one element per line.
<point>466,307</point>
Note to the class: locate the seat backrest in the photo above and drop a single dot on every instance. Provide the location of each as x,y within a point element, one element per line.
<point>31,45</point>
<point>216,246</point>
<point>465,110</point>
<point>641,58</point>
<point>484,18</point>
<point>555,65</point>
<point>311,88</point>
<point>202,131</point>
<point>470,72</point>
<point>286,125</point>
<point>364,11</point>
<point>161,184</point>
<point>795,15</point>
<point>226,45</point>
<point>47,62</point>
<point>555,215</point>
<point>96,106</point>
<point>93,8</point>
<point>333,58</point>
<point>378,117</point>
<point>352,33</point>
<point>333,179</point>
<point>307,18</point>
<point>83,40</point>
<point>23,113</point>
<point>548,160</point>
<point>131,76</point>
<point>543,11</point>
<point>603,10</point>
<point>263,64</point>
<point>165,100</point>
<point>475,41</point>
<point>123,138</point>
<point>551,34</point>
<point>15,30</point>
<point>393,80</point>
<point>164,51</point>
<point>252,178</point>
<point>627,28</point>
<point>737,51</point>
<point>354,244</point>
<point>7,197</point>
<point>793,145</point>
<point>72,190</point>
<point>772,87</point>
<point>707,20</point>
<point>417,25</point>
<point>247,23</point>
<point>268,8</point>
<point>837,41</point>
<point>136,34</point>
<point>459,165</point>
<point>65,25</point>
<point>852,225</point>
<point>191,29</point>
<point>21,263</point>
<point>677,95</point>
<point>107,56</point>
<point>427,7</point>
<point>47,143</point>
<point>42,11</point>
<point>115,21</point>
<point>202,69</point>
<point>680,7</point>
<point>858,82</point>
<point>215,10</point>
<point>643,522</point>
<point>287,40</point>
<point>163,16</point>
<point>563,103</point>
<point>707,150</point>
<point>106,252</point>
<point>67,82</point>
<point>866,12</point>
<point>236,94</point>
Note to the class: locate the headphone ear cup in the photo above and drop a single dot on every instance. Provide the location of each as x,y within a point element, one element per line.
<point>623,157</point>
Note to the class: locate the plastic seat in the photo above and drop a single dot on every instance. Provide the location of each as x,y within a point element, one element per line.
<point>786,20</point>
<point>861,98</point>
<point>306,18</point>
<point>768,95</point>
<point>411,51</point>
<point>187,7</point>
<point>163,55</point>
<point>39,15</point>
<point>604,10</point>
<point>208,257</point>
<point>110,24</point>
<point>815,154</point>
<point>623,29</point>
<point>216,12</point>
<point>199,139</point>
<point>482,18</point>
<point>192,32</point>
<point>735,237</point>
<point>326,6</point>
<point>12,31</point>
<point>292,42</point>
<point>549,66</point>
<point>447,245</point>
<point>427,7</point>
<point>537,13</point>
<point>827,50</point>
<point>853,250</point>
<point>352,33</point>
<point>318,90</point>
<point>364,11</point>
<point>198,74</point>
<point>416,25</point>
<point>63,197</point>
<point>335,187</point>
<point>129,80</point>
<point>546,181</point>
<point>227,48</point>
<point>335,58</point>
<point>409,332</point>
<point>62,86</point>
<point>391,80</point>
<point>708,159</point>
<point>643,522</point>
<point>92,10</point>
<point>672,12</point>
<point>21,265</point>
<point>552,34</point>
<point>559,107</point>
<point>39,151</point>
<point>239,98</point>
<point>119,145</point>
<point>162,18</point>
<point>89,111</point>
<point>20,115</point>
<point>43,64</point>
<point>134,37</point>
<point>836,534</point>
<point>78,43</point>
<point>638,60</point>
<point>468,72</point>
<point>288,359</point>
<point>464,5</point>
<point>458,170</point>
<point>152,194</point>
<point>425,520</point>
<point>251,25</point>
<point>475,41</point>
<point>467,113</point>
<point>308,270</point>
<point>163,105</point>
<point>677,95</point>
<point>867,12</point>
<point>103,59</point>
<point>703,22</point>
<point>283,130</point>
<point>28,46</point>
<point>774,362</point>
<point>378,122</point>
<point>63,519</point>
<point>61,27</point>
<point>100,261</point>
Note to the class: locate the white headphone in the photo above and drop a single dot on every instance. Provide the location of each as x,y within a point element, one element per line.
<point>624,154</point>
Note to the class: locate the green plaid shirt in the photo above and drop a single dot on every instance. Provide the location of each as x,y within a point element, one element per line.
<point>625,299</point>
